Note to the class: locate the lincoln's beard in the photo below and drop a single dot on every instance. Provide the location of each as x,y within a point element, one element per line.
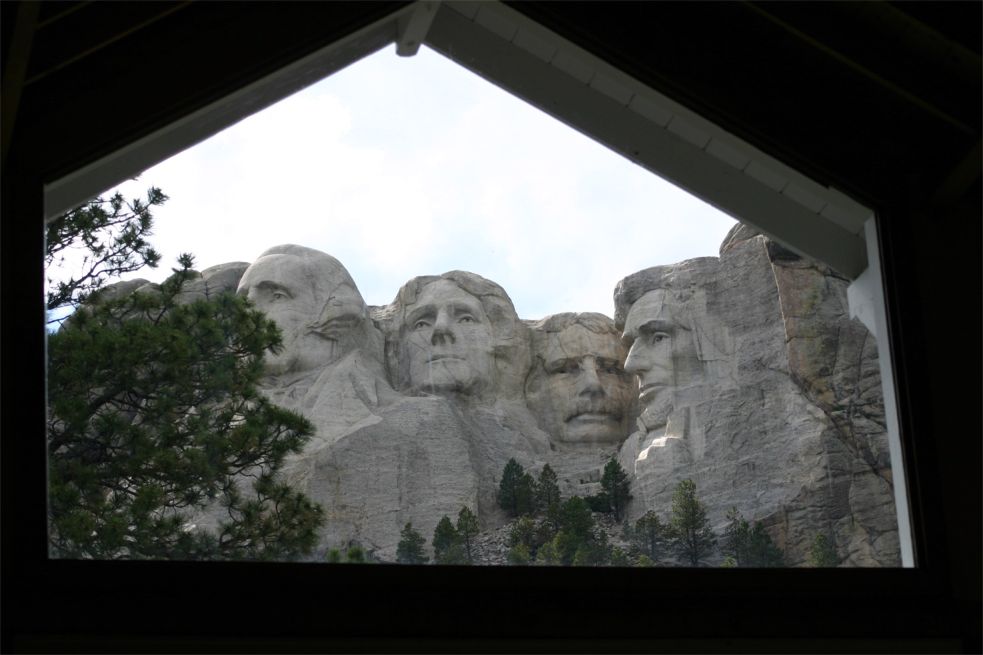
<point>655,411</point>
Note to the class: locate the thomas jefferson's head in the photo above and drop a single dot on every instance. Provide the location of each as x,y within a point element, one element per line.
<point>313,300</point>
<point>578,388</point>
<point>454,330</point>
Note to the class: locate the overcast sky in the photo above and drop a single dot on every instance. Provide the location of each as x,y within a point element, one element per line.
<point>411,166</point>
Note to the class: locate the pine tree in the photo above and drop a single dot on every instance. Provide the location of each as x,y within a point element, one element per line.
<point>523,531</point>
<point>467,530</point>
<point>446,543</point>
<point>650,535</point>
<point>154,416</point>
<point>409,550</point>
<point>692,537</point>
<point>516,490</point>
<point>823,553</point>
<point>763,553</point>
<point>576,532</point>
<point>519,555</point>
<point>110,237</point>
<point>749,546</point>
<point>736,539</point>
<point>615,483</point>
<point>547,490</point>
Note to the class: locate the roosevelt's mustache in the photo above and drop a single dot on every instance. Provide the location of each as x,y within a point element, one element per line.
<point>596,406</point>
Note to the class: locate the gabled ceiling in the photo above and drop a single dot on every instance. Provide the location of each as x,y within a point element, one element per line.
<point>893,90</point>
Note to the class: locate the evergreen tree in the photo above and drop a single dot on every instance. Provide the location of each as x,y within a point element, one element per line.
<point>576,533</point>
<point>523,532</point>
<point>445,538</point>
<point>692,537</point>
<point>615,483</point>
<point>109,236</point>
<point>467,530</point>
<point>355,555</point>
<point>516,490</point>
<point>737,536</point>
<point>650,535</point>
<point>409,550</point>
<point>154,416</point>
<point>749,546</point>
<point>762,551</point>
<point>519,555</point>
<point>618,557</point>
<point>547,490</point>
<point>823,553</point>
<point>549,553</point>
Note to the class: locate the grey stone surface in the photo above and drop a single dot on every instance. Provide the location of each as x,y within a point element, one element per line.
<point>781,416</point>
<point>741,372</point>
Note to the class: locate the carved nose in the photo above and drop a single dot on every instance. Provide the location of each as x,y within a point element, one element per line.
<point>634,363</point>
<point>590,383</point>
<point>442,330</point>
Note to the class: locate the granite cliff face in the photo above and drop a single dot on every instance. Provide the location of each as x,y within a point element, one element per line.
<point>741,372</point>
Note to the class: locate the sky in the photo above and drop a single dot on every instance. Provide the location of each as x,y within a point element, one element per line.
<point>400,167</point>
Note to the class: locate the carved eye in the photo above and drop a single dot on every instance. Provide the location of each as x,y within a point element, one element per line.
<point>279,295</point>
<point>466,319</point>
<point>608,366</point>
<point>421,324</point>
<point>659,337</point>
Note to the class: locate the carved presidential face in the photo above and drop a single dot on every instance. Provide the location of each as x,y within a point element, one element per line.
<point>662,354</point>
<point>581,393</point>
<point>317,308</point>
<point>447,343</point>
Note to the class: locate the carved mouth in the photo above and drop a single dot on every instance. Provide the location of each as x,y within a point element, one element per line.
<point>436,358</point>
<point>594,417</point>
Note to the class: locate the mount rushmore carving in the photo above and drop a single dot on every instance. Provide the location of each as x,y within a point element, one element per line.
<point>741,372</point>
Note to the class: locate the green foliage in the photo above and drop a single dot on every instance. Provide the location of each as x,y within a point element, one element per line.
<point>644,561</point>
<point>409,550</point>
<point>549,553</point>
<point>445,539</point>
<point>519,555</point>
<point>618,557</point>
<point>111,235</point>
<point>599,503</point>
<point>516,491</point>
<point>650,536</point>
<point>523,532</point>
<point>355,555</point>
<point>749,546</point>
<point>547,490</point>
<point>575,517</point>
<point>692,537</point>
<point>823,553</point>
<point>153,416</point>
<point>467,530</point>
<point>615,483</point>
<point>577,534</point>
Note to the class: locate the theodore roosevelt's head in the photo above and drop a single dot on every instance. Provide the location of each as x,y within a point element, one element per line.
<point>577,386</point>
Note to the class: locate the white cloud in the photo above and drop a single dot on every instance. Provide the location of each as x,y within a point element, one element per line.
<point>404,167</point>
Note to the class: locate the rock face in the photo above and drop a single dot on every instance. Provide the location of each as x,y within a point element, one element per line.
<point>741,372</point>
<point>761,390</point>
